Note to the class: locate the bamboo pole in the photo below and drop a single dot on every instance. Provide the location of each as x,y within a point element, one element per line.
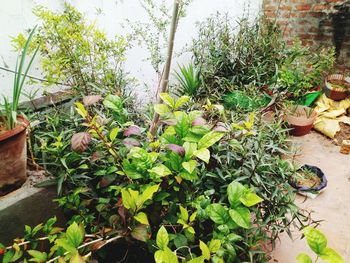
<point>165,76</point>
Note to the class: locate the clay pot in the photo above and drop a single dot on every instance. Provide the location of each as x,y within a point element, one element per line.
<point>330,92</point>
<point>13,157</point>
<point>299,122</point>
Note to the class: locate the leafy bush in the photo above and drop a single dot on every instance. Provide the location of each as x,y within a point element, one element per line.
<point>201,190</point>
<point>229,56</point>
<point>75,52</point>
<point>304,70</point>
<point>254,54</point>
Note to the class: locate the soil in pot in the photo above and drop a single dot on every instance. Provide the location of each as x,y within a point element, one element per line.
<point>309,179</point>
<point>301,120</point>
<point>13,157</point>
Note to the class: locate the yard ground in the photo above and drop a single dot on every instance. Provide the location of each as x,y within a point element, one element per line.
<point>332,206</point>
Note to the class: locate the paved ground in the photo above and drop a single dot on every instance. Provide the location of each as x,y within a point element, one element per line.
<point>332,206</point>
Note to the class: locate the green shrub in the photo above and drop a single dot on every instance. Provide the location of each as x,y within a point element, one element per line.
<point>200,190</point>
<point>75,52</point>
<point>230,56</point>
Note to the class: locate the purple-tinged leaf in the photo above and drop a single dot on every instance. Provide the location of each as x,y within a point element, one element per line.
<point>176,149</point>
<point>91,100</point>
<point>141,233</point>
<point>221,127</point>
<point>199,122</point>
<point>80,141</point>
<point>132,130</point>
<point>96,156</point>
<point>130,142</point>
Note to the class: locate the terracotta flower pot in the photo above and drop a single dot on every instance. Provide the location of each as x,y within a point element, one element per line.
<point>13,157</point>
<point>299,122</point>
<point>331,92</point>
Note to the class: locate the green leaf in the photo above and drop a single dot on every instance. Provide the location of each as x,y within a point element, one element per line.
<point>235,191</point>
<point>197,260</point>
<point>316,240</point>
<point>165,256</point>
<point>203,154</point>
<point>181,101</point>
<point>128,201</point>
<point>189,166</point>
<point>217,213</point>
<point>209,139</point>
<point>76,258</point>
<point>149,192</point>
<point>190,148</point>
<point>113,134</point>
<point>193,217</point>
<point>158,256</point>
<point>142,218</point>
<point>205,250</point>
<point>331,256</point>
<point>303,258</point>
<point>160,171</point>
<point>81,109</point>
<point>140,233</point>
<point>8,256</point>
<point>250,199</point>
<point>37,256</point>
<point>167,99</point>
<point>75,234</point>
<point>162,238</point>
<point>66,245</point>
<point>214,245</point>
<point>161,109</point>
<point>114,103</point>
<point>180,241</point>
<point>241,216</point>
<point>184,213</point>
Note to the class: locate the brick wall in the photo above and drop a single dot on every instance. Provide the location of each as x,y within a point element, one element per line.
<point>315,23</point>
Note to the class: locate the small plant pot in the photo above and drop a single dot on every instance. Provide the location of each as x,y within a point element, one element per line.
<point>317,188</point>
<point>330,92</point>
<point>299,122</point>
<point>13,157</point>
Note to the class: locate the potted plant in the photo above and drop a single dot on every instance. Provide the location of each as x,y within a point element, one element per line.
<point>309,179</point>
<point>300,119</point>
<point>13,154</point>
<point>337,87</point>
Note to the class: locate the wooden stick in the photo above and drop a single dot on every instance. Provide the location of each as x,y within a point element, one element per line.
<point>165,78</point>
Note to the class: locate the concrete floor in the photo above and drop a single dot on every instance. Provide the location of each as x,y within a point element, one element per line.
<point>332,205</point>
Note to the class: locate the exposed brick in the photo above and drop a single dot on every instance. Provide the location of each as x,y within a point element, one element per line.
<point>320,7</point>
<point>305,7</point>
<point>285,8</point>
<point>300,1</point>
<point>316,14</point>
<point>310,21</point>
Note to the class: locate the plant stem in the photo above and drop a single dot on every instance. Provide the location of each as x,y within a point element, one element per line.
<point>88,244</point>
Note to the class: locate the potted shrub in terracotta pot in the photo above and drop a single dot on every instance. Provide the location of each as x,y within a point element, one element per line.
<point>337,87</point>
<point>300,119</point>
<point>13,152</point>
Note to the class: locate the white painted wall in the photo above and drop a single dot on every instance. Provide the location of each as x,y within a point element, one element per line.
<point>15,16</point>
